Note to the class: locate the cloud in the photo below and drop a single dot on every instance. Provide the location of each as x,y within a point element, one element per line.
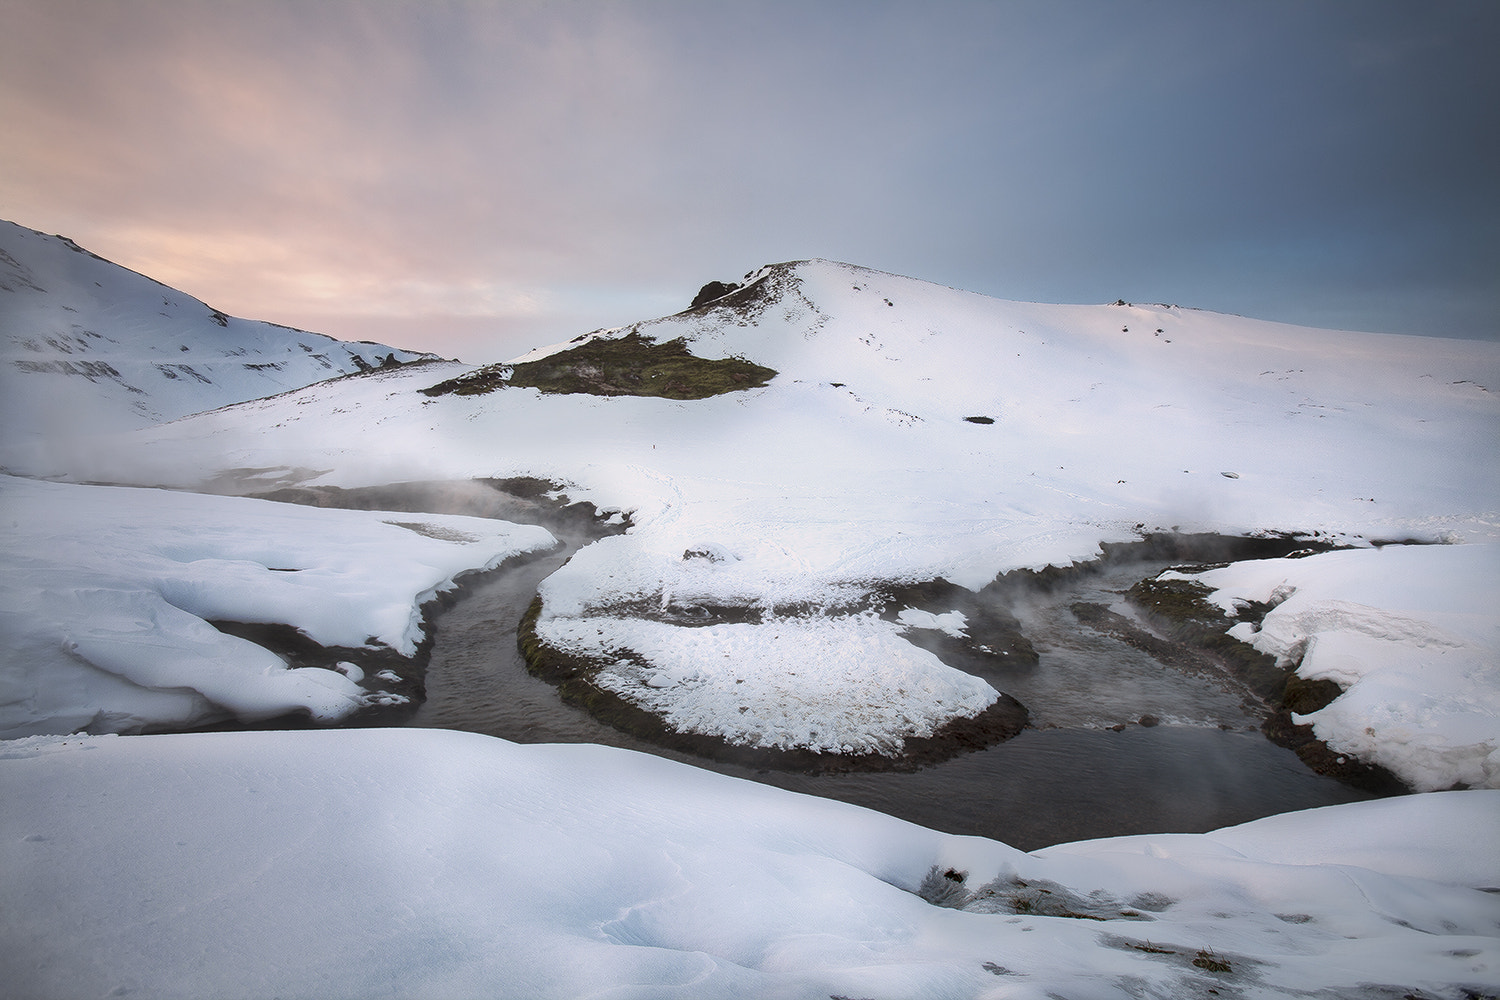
<point>300,160</point>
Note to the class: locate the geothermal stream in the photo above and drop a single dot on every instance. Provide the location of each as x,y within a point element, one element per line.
<point>1086,769</point>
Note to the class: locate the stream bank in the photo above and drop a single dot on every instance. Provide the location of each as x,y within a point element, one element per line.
<point>1122,739</point>
<point>396,685</point>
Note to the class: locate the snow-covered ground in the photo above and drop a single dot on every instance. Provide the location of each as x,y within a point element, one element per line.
<point>106,595</point>
<point>420,863</point>
<point>859,464</point>
<point>1413,635</point>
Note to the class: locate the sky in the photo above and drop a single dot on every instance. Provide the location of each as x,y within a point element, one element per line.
<point>480,178</point>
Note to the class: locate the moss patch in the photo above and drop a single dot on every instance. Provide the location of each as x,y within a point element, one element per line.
<point>631,365</point>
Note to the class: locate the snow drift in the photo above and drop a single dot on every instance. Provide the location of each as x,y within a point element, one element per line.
<point>1411,634</point>
<point>106,596</point>
<point>383,863</point>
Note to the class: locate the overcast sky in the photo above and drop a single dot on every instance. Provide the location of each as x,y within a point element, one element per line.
<point>480,178</point>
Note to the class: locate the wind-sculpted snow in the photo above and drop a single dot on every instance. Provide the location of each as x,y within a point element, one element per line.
<point>1410,633</point>
<point>862,462</point>
<point>410,863</point>
<point>106,595</point>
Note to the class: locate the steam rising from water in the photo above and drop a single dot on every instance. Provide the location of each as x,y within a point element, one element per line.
<point>1077,780</point>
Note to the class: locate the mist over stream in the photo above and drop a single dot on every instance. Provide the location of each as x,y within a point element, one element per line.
<point>1087,768</point>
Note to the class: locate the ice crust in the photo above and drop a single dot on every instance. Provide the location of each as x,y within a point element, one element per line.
<point>417,863</point>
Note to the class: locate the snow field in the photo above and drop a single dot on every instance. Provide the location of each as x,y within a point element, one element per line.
<point>1410,632</point>
<point>430,863</point>
<point>107,594</point>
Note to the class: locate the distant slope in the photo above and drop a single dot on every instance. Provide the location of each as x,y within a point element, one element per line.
<point>86,343</point>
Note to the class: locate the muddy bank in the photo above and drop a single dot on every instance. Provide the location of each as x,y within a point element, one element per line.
<point>1173,624</point>
<point>993,642</point>
<point>1079,770</point>
<point>993,639</point>
<point>1180,610</point>
<point>394,685</point>
<point>1002,648</point>
<point>1199,549</point>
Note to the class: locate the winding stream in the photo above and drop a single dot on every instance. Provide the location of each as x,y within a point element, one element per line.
<point>1073,777</point>
<point>1087,768</point>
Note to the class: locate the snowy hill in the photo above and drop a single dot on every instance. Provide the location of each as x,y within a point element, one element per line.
<point>909,432</point>
<point>85,343</point>
<point>1104,415</point>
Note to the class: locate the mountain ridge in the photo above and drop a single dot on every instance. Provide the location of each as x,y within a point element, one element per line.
<point>84,341</point>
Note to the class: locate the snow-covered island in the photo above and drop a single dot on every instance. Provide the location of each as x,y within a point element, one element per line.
<point>817,439</point>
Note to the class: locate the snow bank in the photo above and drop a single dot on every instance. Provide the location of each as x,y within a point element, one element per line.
<point>1413,635</point>
<point>426,863</point>
<point>106,594</point>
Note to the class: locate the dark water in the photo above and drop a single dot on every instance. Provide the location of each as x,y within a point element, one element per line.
<point>1073,778</point>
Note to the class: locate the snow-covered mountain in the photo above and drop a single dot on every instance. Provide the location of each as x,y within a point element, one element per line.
<point>85,343</point>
